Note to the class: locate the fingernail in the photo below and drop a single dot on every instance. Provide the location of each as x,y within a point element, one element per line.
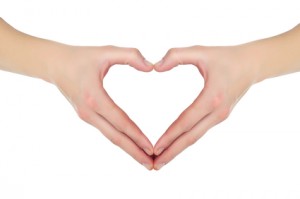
<point>159,151</point>
<point>159,166</point>
<point>159,64</point>
<point>148,151</point>
<point>147,166</point>
<point>148,63</point>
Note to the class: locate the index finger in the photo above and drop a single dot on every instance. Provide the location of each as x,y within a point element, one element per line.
<point>120,139</point>
<point>102,104</point>
<point>198,110</point>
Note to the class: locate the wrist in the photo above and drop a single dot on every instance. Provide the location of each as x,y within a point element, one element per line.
<point>27,55</point>
<point>51,58</point>
<point>275,56</point>
<point>260,56</point>
<point>251,59</point>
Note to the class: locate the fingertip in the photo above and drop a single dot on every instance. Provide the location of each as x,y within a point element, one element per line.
<point>148,66</point>
<point>142,65</point>
<point>148,151</point>
<point>149,167</point>
<point>163,66</point>
<point>158,164</point>
<point>158,148</point>
<point>160,145</point>
<point>158,66</point>
<point>158,151</point>
<point>148,63</point>
<point>148,163</point>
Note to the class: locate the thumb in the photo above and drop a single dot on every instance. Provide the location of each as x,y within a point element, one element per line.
<point>177,56</point>
<point>128,56</point>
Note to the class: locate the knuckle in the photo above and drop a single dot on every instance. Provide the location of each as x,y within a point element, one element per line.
<point>172,52</point>
<point>83,114</point>
<point>223,114</point>
<point>134,52</point>
<point>124,127</point>
<point>91,102</point>
<point>187,118</point>
<point>183,125</point>
<point>191,140</point>
<point>217,101</point>
<point>122,123</point>
<point>197,47</point>
<point>110,47</point>
<point>116,140</point>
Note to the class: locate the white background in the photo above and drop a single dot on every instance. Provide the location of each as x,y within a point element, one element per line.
<point>46,151</point>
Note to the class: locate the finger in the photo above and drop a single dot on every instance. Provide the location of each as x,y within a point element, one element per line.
<point>106,107</point>
<point>188,139</point>
<point>178,56</point>
<point>200,108</point>
<point>128,56</point>
<point>121,140</point>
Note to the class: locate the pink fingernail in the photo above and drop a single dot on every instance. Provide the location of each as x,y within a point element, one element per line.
<point>148,63</point>
<point>159,151</point>
<point>159,166</point>
<point>147,166</point>
<point>148,151</point>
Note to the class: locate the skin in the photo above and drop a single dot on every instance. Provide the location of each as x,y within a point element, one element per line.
<point>228,73</point>
<point>78,72</point>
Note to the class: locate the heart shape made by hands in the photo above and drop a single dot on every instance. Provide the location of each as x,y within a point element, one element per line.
<point>153,100</point>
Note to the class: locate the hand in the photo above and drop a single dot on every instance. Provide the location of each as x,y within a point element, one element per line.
<point>228,73</point>
<point>79,75</point>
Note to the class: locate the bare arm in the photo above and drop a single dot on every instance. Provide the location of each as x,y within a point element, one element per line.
<point>277,55</point>
<point>27,55</point>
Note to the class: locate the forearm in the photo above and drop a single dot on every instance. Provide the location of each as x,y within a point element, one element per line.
<point>277,55</point>
<point>27,55</point>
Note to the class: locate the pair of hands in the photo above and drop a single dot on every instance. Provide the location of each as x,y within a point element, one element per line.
<point>226,71</point>
<point>78,72</point>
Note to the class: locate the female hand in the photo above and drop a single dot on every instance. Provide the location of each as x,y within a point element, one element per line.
<point>79,73</point>
<point>228,73</point>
